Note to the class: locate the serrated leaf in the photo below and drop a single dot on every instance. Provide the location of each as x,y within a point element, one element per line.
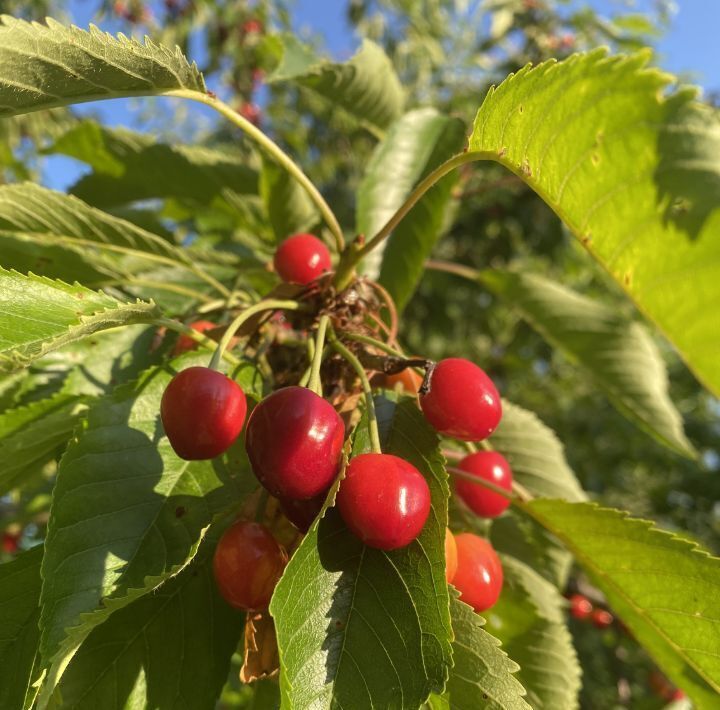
<point>127,513</point>
<point>40,315</point>
<point>616,352</point>
<point>19,633</point>
<point>633,170</point>
<point>415,145</point>
<point>366,86</point>
<point>167,649</point>
<point>358,626</point>
<point>42,66</point>
<point>664,588</point>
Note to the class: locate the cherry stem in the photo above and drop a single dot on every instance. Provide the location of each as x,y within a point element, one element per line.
<point>367,390</point>
<point>519,493</point>
<point>358,337</point>
<point>314,383</point>
<point>465,272</point>
<point>243,317</point>
<point>196,336</point>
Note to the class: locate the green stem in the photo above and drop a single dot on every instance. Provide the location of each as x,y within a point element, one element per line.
<point>314,383</point>
<point>367,390</point>
<point>465,272</point>
<point>243,317</point>
<point>197,337</point>
<point>274,151</point>
<point>379,344</point>
<point>519,493</point>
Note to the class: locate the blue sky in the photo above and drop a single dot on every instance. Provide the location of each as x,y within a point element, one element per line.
<point>691,49</point>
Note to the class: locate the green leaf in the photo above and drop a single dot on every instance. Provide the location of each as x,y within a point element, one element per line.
<point>127,513</point>
<point>617,353</point>
<point>130,166</point>
<point>40,315</point>
<point>366,86</point>
<point>167,649</point>
<point>19,633</point>
<point>358,626</point>
<point>529,620</point>
<point>414,146</point>
<point>664,588</point>
<point>633,170</point>
<point>42,66</point>
<point>482,673</point>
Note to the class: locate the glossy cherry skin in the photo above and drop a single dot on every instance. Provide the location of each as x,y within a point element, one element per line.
<point>489,466</point>
<point>302,513</point>
<point>384,500</point>
<point>461,401</point>
<point>479,575</point>
<point>450,556</point>
<point>407,380</point>
<point>248,563</point>
<point>601,618</point>
<point>294,440</point>
<point>202,412</point>
<point>301,259</point>
<point>580,606</point>
<point>185,343</point>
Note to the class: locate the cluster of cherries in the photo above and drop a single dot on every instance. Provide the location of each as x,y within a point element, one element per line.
<point>582,609</point>
<point>294,440</point>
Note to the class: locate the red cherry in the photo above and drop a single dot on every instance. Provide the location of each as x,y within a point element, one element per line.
<point>677,694</point>
<point>450,556</point>
<point>601,618</point>
<point>490,466</point>
<point>10,542</point>
<point>203,413</point>
<point>294,440</point>
<point>248,563</point>
<point>302,513</point>
<point>185,343</point>
<point>408,380</point>
<point>461,401</point>
<point>251,112</point>
<point>479,575</point>
<point>252,26</point>
<point>301,259</point>
<point>580,606</point>
<point>384,500</point>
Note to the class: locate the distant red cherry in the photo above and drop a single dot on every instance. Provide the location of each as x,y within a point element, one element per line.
<point>252,26</point>
<point>450,556</point>
<point>10,542</point>
<point>202,412</point>
<point>302,513</point>
<point>384,500</point>
<point>301,259</point>
<point>479,575</point>
<point>461,401</point>
<point>294,440</point>
<point>602,618</point>
<point>677,694</point>
<point>407,380</point>
<point>580,606</point>
<point>489,466</point>
<point>248,563</point>
<point>252,112</point>
<point>185,343</point>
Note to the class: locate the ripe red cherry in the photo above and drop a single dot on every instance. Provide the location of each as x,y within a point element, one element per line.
<point>450,556</point>
<point>202,412</point>
<point>294,440</point>
<point>384,500</point>
<point>185,343</point>
<point>302,513</point>
<point>301,259</point>
<point>461,401</point>
<point>490,466</point>
<point>601,618</point>
<point>10,542</point>
<point>580,606</point>
<point>479,575</point>
<point>248,563</point>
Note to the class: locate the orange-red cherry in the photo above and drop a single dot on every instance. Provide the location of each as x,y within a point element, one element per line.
<point>462,401</point>
<point>450,556</point>
<point>489,466</point>
<point>384,500</point>
<point>301,259</point>
<point>601,618</point>
<point>580,607</point>
<point>294,441</point>
<point>248,563</point>
<point>479,575</point>
<point>185,343</point>
<point>202,412</point>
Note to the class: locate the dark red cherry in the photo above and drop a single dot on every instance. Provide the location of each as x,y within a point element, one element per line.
<point>580,606</point>
<point>384,500</point>
<point>490,466</point>
<point>202,412</point>
<point>601,618</point>
<point>294,440</point>
<point>185,343</point>
<point>301,259</point>
<point>302,513</point>
<point>479,575</point>
<point>248,563</point>
<point>10,542</point>
<point>450,556</point>
<point>461,400</point>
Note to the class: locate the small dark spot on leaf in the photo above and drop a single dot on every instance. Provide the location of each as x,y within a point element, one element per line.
<point>520,108</point>
<point>80,296</point>
<point>502,152</point>
<point>180,511</point>
<point>586,239</point>
<point>338,624</point>
<point>485,696</point>
<point>627,279</point>
<point>595,159</point>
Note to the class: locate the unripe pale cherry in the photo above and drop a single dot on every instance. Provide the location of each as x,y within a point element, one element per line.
<point>301,259</point>
<point>202,413</point>
<point>479,575</point>
<point>248,563</point>
<point>185,343</point>
<point>462,401</point>
<point>450,556</point>
<point>489,466</point>
<point>294,441</point>
<point>384,500</point>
